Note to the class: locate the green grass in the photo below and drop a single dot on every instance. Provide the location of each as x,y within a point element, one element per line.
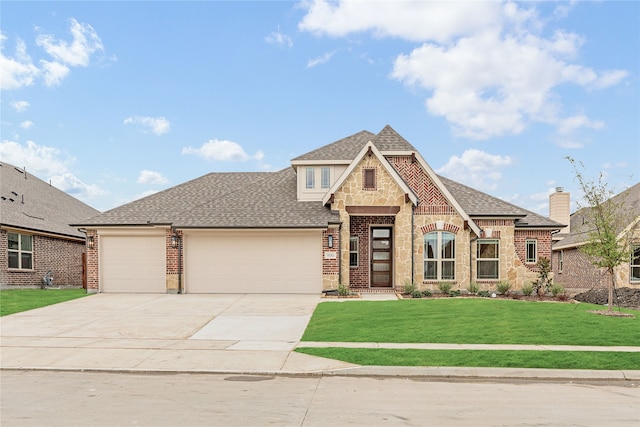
<point>470,321</point>
<point>17,300</point>
<point>481,358</point>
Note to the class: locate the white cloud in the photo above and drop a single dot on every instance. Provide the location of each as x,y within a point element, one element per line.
<point>20,106</point>
<point>53,72</point>
<point>45,163</point>
<point>19,71</point>
<point>26,124</point>
<point>415,21</point>
<point>486,66</point>
<point>77,53</point>
<point>157,125</point>
<point>151,177</point>
<point>476,168</point>
<point>320,60</point>
<point>222,150</point>
<point>16,71</point>
<point>279,38</point>
<point>569,125</point>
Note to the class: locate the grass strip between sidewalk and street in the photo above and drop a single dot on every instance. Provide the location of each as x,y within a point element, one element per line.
<point>470,321</point>
<point>18,300</point>
<point>592,360</point>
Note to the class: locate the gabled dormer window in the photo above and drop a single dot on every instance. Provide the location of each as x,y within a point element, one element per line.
<point>311,178</point>
<point>325,177</point>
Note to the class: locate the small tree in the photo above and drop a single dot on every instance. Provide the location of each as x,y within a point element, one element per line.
<point>543,284</point>
<point>606,218</point>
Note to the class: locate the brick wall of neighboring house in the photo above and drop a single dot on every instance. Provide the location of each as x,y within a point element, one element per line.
<point>174,264</point>
<point>360,226</point>
<point>330,259</point>
<point>577,271</point>
<point>63,257</point>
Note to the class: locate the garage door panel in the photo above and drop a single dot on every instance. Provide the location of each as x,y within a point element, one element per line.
<point>253,262</point>
<point>133,264</point>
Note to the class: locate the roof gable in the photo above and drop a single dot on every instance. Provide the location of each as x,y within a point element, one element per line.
<point>30,203</point>
<point>370,148</point>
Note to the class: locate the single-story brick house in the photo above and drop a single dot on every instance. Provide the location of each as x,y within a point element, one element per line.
<point>35,235</point>
<point>365,211</point>
<point>571,266</point>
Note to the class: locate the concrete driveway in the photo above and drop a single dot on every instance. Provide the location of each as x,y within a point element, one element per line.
<point>173,333</point>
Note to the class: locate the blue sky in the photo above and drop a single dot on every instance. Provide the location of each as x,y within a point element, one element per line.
<point>112,101</point>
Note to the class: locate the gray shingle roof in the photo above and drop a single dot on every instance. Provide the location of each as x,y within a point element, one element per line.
<point>580,230</point>
<point>29,203</point>
<point>224,200</point>
<point>479,204</point>
<point>348,148</point>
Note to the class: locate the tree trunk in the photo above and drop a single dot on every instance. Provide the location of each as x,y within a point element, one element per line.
<point>611,285</point>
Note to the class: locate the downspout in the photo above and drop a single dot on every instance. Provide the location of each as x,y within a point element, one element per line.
<point>340,254</point>
<point>413,241</point>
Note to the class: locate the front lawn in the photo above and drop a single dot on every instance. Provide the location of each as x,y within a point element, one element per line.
<point>473,321</point>
<point>470,321</point>
<point>481,358</point>
<point>17,300</point>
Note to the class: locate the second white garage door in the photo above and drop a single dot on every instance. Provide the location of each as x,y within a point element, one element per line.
<point>286,261</point>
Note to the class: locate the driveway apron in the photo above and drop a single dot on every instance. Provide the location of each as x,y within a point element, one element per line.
<point>172,333</point>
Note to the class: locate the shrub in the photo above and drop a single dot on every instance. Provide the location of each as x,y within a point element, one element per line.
<point>484,294</point>
<point>527,289</point>
<point>503,287</point>
<point>416,294</point>
<point>409,287</point>
<point>426,293</point>
<point>473,288</point>
<point>543,284</point>
<point>343,290</point>
<point>455,293</point>
<point>445,287</point>
<point>557,289</point>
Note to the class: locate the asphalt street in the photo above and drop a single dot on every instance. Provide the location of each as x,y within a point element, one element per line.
<point>62,398</point>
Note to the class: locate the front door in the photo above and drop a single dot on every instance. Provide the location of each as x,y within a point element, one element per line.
<point>381,250</point>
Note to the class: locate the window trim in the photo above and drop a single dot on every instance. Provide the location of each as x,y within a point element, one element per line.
<point>439,258</point>
<point>20,252</point>
<point>635,247</point>
<point>560,261</point>
<point>325,177</point>
<point>534,243</point>
<point>356,251</point>
<point>310,178</point>
<point>479,259</point>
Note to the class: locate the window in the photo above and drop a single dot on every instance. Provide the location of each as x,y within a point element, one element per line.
<point>325,181</point>
<point>532,251</point>
<point>560,261</point>
<point>370,179</point>
<point>488,259</point>
<point>311,178</point>
<point>635,263</point>
<point>439,256</point>
<point>353,252</point>
<point>20,251</point>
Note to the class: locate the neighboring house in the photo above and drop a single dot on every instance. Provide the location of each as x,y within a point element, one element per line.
<point>35,235</point>
<point>366,211</point>
<point>571,267</point>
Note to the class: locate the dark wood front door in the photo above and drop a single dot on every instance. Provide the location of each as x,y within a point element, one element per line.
<point>381,257</point>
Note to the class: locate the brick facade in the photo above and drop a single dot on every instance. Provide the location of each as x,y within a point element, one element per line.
<point>577,271</point>
<point>360,227</point>
<point>63,257</point>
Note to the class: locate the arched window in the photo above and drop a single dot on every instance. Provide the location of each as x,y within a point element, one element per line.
<point>439,256</point>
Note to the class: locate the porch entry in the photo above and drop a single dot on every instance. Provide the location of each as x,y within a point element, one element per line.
<point>381,257</point>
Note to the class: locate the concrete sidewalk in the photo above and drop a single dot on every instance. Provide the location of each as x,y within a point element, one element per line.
<point>239,334</point>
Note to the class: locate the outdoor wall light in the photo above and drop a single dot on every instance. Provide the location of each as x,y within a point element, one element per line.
<point>90,242</point>
<point>330,240</point>
<point>174,241</point>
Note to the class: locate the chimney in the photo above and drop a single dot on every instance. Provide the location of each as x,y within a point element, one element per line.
<point>560,210</point>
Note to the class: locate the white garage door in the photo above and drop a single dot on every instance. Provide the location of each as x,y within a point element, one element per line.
<point>133,263</point>
<point>286,261</point>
